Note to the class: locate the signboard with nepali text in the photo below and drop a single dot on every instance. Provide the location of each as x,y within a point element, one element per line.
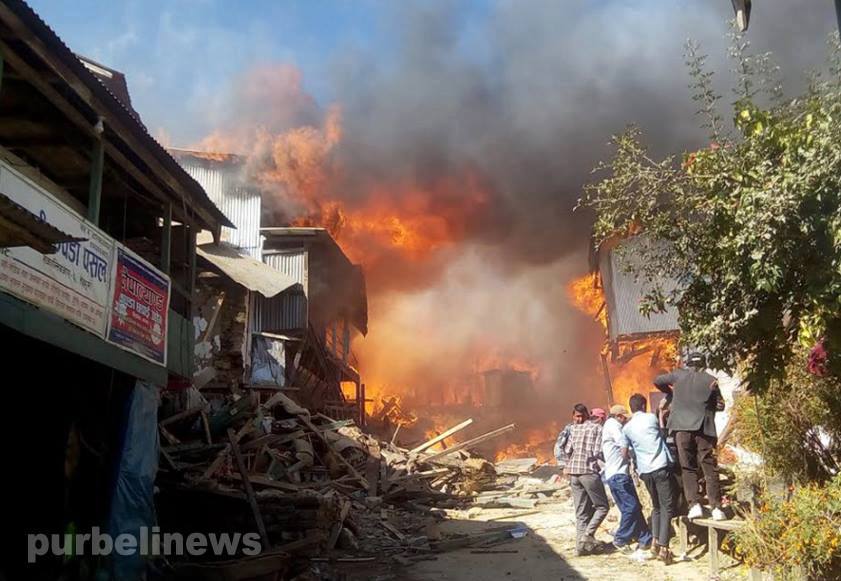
<point>75,281</point>
<point>138,318</point>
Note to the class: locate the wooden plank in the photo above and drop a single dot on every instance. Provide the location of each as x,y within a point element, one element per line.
<point>372,473</point>
<point>353,471</point>
<point>206,423</point>
<point>272,440</point>
<point>168,436</point>
<point>220,300</point>
<point>713,549</point>
<point>471,443</point>
<point>337,527</point>
<point>393,530</point>
<point>220,458</point>
<point>442,436</point>
<point>267,482</point>
<point>724,525</point>
<point>181,416</point>
<point>249,491</point>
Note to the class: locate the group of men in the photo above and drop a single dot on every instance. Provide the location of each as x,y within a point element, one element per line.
<point>596,450</point>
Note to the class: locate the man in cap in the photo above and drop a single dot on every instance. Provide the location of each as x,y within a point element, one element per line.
<point>583,451</point>
<point>616,474</point>
<point>695,399</point>
<point>598,415</point>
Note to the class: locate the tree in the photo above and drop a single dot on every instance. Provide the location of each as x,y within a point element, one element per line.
<point>749,227</point>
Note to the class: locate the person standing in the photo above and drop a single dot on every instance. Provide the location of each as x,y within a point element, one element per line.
<point>583,450</point>
<point>617,477</point>
<point>695,399</point>
<point>579,416</point>
<point>653,464</point>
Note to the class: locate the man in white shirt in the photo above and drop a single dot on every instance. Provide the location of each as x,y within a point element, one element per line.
<point>616,475</point>
<point>653,462</point>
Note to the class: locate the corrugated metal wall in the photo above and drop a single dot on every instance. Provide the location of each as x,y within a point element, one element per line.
<point>623,294</point>
<point>287,311</point>
<point>221,181</point>
<point>290,262</point>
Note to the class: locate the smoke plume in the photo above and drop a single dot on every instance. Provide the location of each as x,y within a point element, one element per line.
<point>450,166</point>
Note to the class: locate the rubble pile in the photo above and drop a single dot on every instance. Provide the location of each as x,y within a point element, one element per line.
<point>316,487</point>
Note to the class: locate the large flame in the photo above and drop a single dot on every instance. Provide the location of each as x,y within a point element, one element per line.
<point>408,228</point>
<point>631,365</point>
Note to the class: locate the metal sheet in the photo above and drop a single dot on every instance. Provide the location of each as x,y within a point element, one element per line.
<point>223,183</point>
<point>292,263</point>
<point>623,294</point>
<point>250,273</point>
<point>288,311</point>
<point>285,312</point>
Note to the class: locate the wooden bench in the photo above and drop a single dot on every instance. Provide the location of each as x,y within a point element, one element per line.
<point>713,527</point>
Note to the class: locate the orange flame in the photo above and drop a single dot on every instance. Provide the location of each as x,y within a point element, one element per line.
<point>637,362</point>
<point>533,443</point>
<point>585,293</point>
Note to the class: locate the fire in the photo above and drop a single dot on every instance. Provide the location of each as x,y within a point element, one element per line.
<point>587,296</point>
<point>406,226</point>
<point>533,443</point>
<point>637,364</point>
<point>633,364</point>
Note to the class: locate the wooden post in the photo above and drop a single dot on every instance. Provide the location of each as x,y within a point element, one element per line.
<point>95,187</point>
<point>191,254</point>
<point>608,386</point>
<point>683,536</point>
<point>249,490</point>
<point>713,548</point>
<point>360,400</point>
<point>166,238</point>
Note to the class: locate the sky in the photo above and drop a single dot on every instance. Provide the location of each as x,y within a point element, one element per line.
<point>181,56</point>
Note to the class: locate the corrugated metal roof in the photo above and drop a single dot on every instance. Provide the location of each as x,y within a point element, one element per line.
<point>220,176</point>
<point>250,273</point>
<point>20,227</point>
<point>623,294</point>
<point>41,31</point>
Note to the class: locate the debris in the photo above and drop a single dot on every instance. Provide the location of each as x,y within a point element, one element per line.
<point>472,443</point>
<point>441,437</point>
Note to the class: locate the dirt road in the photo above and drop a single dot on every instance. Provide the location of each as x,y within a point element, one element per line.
<point>546,553</point>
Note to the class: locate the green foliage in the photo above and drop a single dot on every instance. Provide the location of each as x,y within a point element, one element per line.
<point>752,222</point>
<point>801,532</point>
<point>795,425</point>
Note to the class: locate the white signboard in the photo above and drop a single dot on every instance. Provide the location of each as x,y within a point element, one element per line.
<point>74,282</point>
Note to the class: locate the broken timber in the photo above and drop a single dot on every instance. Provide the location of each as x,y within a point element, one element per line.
<point>441,437</point>
<point>471,443</point>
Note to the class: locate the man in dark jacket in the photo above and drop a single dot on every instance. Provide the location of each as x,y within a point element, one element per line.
<point>695,398</point>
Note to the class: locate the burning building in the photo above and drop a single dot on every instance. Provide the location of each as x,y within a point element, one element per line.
<point>636,346</point>
<point>278,307</point>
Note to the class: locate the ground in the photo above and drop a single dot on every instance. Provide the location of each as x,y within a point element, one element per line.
<point>547,553</point>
